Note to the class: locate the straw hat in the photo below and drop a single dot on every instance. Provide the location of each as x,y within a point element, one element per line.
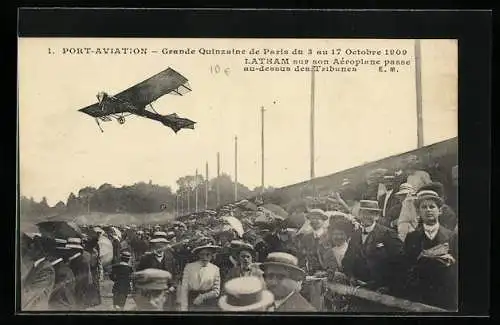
<point>214,248</point>
<point>405,188</point>
<point>317,212</point>
<point>286,260</point>
<point>428,195</point>
<point>74,243</point>
<point>245,294</point>
<point>238,245</point>
<point>369,205</point>
<point>152,279</point>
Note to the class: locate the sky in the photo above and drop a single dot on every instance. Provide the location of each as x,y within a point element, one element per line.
<point>359,116</point>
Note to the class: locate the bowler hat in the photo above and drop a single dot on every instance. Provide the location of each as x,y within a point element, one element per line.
<point>152,279</point>
<point>245,294</point>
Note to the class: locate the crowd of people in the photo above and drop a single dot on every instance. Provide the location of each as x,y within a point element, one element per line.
<point>394,235</point>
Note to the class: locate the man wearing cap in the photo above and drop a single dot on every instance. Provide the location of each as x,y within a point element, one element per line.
<point>201,281</point>
<point>37,276</point>
<point>310,243</point>
<point>160,257</point>
<point>430,260</point>
<point>79,261</point>
<point>245,294</point>
<point>64,295</point>
<point>121,277</point>
<point>245,255</point>
<point>377,253</point>
<point>151,289</point>
<point>283,278</point>
<point>448,218</point>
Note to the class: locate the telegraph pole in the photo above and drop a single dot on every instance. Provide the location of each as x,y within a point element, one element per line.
<point>196,190</point>
<point>188,205</point>
<point>235,168</point>
<point>218,179</point>
<point>262,110</point>
<point>206,185</point>
<point>312,132</point>
<point>418,86</point>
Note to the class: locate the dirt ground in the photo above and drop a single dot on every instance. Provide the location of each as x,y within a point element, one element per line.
<point>107,299</point>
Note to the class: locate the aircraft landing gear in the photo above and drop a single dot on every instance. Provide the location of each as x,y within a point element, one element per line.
<point>121,120</point>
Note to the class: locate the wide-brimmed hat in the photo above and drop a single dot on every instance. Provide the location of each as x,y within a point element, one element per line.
<point>205,246</point>
<point>238,245</point>
<point>433,186</point>
<point>369,205</point>
<point>245,294</point>
<point>286,260</point>
<point>158,240</point>
<point>152,279</point>
<point>60,243</point>
<point>317,212</point>
<point>405,188</point>
<point>75,243</point>
<point>125,254</point>
<point>428,195</point>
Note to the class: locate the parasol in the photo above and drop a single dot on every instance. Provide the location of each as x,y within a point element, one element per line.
<point>276,209</point>
<point>106,250</point>
<point>59,229</point>
<point>235,224</point>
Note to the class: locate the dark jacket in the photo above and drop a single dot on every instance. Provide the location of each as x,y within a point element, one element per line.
<point>83,278</point>
<point>120,275</point>
<point>37,286</point>
<point>392,210</point>
<point>296,303</point>
<point>429,281</point>
<point>63,295</point>
<point>378,261</point>
<point>167,263</point>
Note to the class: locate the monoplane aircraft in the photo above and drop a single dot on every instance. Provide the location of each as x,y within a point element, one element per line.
<point>135,100</point>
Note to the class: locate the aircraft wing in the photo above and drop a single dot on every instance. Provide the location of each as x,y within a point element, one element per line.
<point>94,110</point>
<point>110,107</point>
<point>168,81</point>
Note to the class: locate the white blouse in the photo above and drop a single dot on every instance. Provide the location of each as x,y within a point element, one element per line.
<point>199,278</point>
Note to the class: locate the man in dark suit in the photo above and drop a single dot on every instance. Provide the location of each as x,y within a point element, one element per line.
<point>430,258</point>
<point>37,276</point>
<point>162,258</point>
<point>63,297</point>
<point>375,254</point>
<point>389,204</point>
<point>283,278</point>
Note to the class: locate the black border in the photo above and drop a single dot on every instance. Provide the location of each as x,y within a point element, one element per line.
<point>471,28</point>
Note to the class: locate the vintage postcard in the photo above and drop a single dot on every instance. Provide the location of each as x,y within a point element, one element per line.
<point>237,175</point>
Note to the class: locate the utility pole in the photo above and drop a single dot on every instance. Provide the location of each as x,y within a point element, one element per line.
<point>218,179</point>
<point>206,185</point>
<point>262,184</point>
<point>312,175</point>
<point>177,205</point>
<point>235,168</point>
<point>418,86</point>
<point>196,190</point>
<point>188,205</point>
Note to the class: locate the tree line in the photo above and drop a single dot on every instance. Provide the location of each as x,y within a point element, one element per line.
<point>143,197</point>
